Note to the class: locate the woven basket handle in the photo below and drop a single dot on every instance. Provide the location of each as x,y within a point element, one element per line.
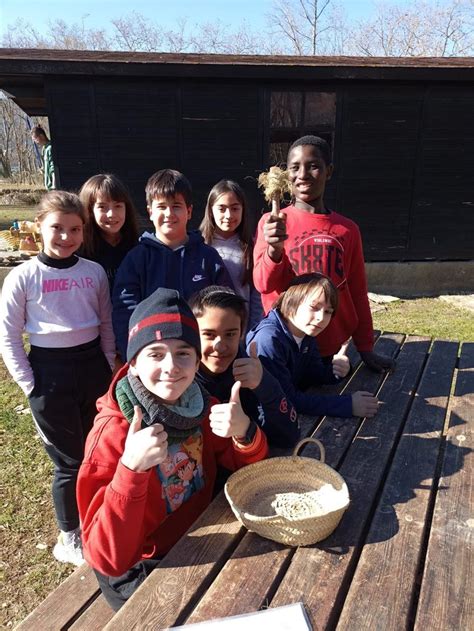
<point>311,440</point>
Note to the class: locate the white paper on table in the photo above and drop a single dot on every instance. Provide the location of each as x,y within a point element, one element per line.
<point>286,618</point>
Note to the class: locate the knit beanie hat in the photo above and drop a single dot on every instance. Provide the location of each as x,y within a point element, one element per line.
<point>163,315</point>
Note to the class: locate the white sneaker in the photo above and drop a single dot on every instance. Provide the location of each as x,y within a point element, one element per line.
<point>69,547</point>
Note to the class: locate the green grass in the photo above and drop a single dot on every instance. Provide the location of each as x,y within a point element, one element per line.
<point>426,316</point>
<point>21,212</point>
<point>27,573</point>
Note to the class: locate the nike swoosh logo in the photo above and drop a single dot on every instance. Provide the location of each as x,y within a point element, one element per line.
<point>197,277</point>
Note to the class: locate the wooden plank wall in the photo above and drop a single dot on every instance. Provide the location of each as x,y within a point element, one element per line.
<point>406,161</point>
<point>442,212</point>
<point>73,131</point>
<point>377,148</point>
<point>135,127</point>
<point>221,138</point>
<point>404,153</point>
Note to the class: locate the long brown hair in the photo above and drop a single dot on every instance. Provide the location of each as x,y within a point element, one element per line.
<point>110,186</point>
<point>208,225</point>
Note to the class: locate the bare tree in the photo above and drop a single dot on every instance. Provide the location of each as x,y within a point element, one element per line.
<point>443,29</point>
<point>59,34</point>
<point>77,36</point>
<point>300,22</point>
<point>217,37</point>
<point>21,34</point>
<point>135,32</point>
<point>17,151</point>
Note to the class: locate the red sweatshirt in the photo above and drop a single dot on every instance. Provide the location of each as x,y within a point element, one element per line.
<point>123,513</point>
<point>330,244</point>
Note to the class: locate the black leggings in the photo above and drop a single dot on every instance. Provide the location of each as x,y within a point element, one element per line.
<point>68,382</point>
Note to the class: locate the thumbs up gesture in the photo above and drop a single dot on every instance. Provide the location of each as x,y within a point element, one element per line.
<point>275,235</point>
<point>248,370</point>
<point>144,448</point>
<point>340,362</point>
<point>229,419</point>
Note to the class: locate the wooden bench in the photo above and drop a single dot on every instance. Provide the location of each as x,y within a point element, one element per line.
<point>402,555</point>
<point>75,604</point>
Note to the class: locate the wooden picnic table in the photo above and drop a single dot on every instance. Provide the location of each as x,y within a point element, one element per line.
<point>402,556</point>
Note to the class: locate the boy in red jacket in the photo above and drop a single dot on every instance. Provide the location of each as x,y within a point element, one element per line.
<point>308,237</point>
<point>151,457</point>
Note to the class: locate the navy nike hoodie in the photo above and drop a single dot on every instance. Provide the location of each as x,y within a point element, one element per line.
<point>297,367</point>
<point>152,264</point>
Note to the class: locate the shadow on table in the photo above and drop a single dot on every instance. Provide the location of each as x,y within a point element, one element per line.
<point>407,484</point>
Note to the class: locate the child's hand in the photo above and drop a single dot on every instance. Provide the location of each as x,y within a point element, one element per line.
<point>377,363</point>
<point>274,232</point>
<point>364,404</point>
<point>229,419</point>
<point>144,448</point>
<point>248,370</point>
<point>340,362</point>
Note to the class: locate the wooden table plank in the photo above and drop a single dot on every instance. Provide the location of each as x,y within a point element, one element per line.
<point>63,604</point>
<point>381,592</point>
<point>308,424</point>
<point>250,577</point>
<point>336,433</point>
<point>318,575</point>
<point>446,599</point>
<point>248,580</point>
<point>96,616</point>
<point>170,592</point>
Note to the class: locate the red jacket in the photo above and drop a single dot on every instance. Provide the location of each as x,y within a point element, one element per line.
<point>123,512</point>
<point>330,244</point>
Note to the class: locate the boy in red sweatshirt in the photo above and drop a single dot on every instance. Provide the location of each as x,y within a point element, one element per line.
<point>152,455</point>
<point>309,237</point>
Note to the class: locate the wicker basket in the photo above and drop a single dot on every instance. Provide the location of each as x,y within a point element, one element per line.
<point>293,500</point>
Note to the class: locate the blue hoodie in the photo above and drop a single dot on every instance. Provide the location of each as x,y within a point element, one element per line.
<point>297,368</point>
<point>152,264</point>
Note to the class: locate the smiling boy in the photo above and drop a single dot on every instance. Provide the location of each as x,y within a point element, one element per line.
<point>309,237</point>
<point>151,458</point>
<point>221,316</point>
<point>172,257</point>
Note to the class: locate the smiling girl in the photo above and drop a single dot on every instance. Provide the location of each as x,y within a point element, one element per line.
<point>111,230</point>
<point>62,302</point>
<point>225,226</point>
<point>287,348</point>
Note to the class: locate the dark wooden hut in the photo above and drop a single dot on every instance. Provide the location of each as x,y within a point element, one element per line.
<point>401,130</point>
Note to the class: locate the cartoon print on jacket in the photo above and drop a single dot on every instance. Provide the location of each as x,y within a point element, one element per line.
<point>181,474</point>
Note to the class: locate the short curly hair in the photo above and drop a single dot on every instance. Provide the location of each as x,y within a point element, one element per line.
<point>315,141</point>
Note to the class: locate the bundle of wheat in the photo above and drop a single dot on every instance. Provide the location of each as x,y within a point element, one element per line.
<point>275,184</point>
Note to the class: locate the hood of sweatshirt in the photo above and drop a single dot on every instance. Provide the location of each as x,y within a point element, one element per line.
<point>195,238</point>
<point>272,320</point>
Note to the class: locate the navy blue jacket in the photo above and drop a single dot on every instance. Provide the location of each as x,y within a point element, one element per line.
<point>297,368</point>
<point>152,264</point>
<point>266,405</point>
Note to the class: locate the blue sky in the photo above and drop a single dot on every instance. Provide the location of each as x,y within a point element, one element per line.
<point>99,12</point>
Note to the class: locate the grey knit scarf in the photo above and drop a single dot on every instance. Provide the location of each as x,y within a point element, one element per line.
<point>130,392</point>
